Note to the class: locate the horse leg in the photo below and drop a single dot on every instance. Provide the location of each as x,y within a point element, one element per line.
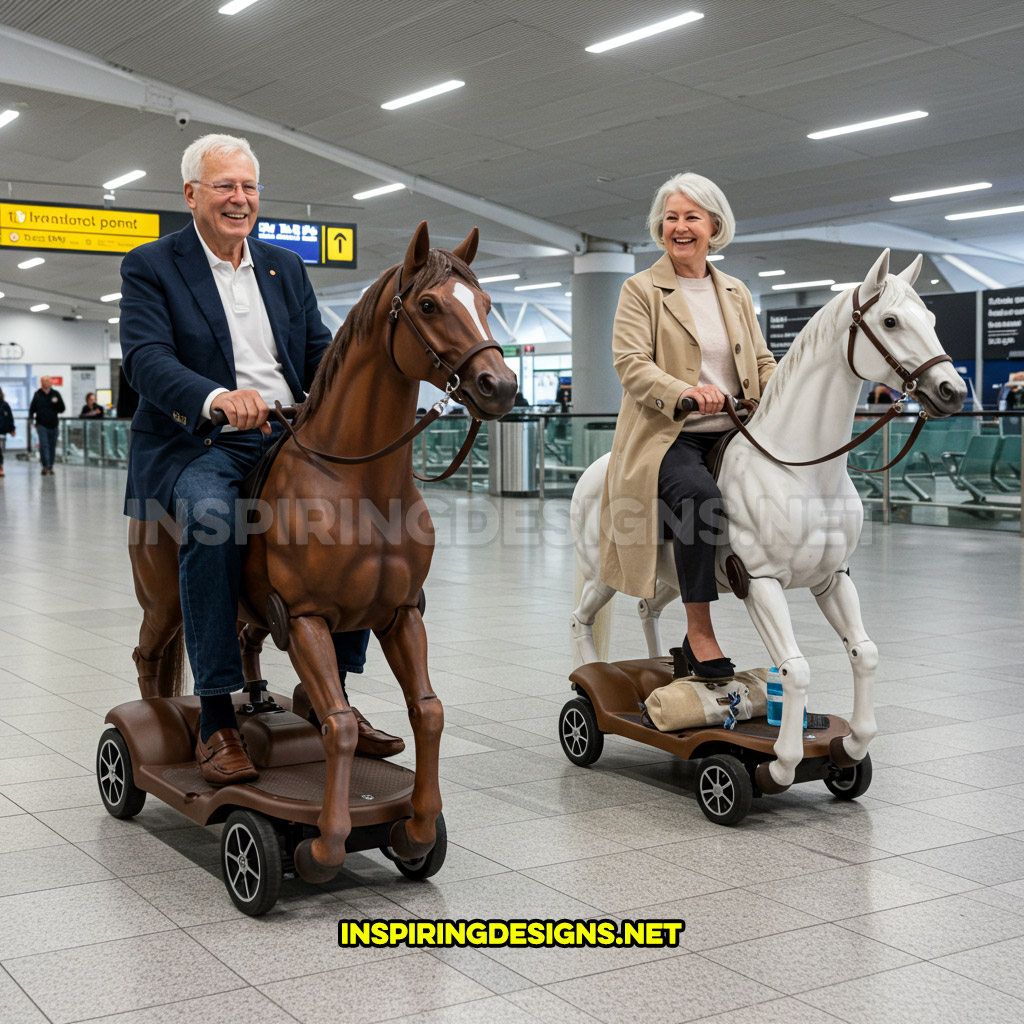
<point>405,647</point>
<point>769,611</point>
<point>840,604</point>
<point>650,610</point>
<point>250,641</point>
<point>160,655</point>
<point>594,596</point>
<point>312,653</point>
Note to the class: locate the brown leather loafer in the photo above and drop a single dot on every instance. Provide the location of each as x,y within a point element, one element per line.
<point>223,759</point>
<point>374,743</point>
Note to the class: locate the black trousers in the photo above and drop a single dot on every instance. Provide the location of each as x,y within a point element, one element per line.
<point>690,507</point>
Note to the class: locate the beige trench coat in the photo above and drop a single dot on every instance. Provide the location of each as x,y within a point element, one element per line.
<point>657,357</point>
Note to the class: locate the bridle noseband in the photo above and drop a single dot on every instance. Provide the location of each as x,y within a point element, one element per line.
<point>909,378</point>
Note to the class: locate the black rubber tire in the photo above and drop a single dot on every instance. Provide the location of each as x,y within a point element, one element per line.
<point>723,789</point>
<point>582,741</point>
<point>121,797</point>
<point>850,783</point>
<point>429,865</point>
<point>250,861</point>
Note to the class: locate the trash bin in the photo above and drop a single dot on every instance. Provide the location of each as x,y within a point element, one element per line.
<point>597,440</point>
<point>512,471</point>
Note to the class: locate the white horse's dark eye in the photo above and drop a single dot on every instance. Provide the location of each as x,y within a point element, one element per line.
<point>889,321</point>
<point>426,306</point>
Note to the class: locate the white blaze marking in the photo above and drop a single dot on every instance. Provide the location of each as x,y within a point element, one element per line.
<point>464,295</point>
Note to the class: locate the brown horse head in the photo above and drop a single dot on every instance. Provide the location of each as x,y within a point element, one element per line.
<point>446,315</point>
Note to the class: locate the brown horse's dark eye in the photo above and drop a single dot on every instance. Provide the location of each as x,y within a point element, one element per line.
<point>889,321</point>
<point>426,306</point>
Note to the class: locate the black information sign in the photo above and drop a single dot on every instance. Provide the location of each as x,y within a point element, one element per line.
<point>783,325</point>
<point>955,318</point>
<point>1002,324</point>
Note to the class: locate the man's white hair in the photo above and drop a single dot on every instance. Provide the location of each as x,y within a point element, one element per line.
<point>214,146</point>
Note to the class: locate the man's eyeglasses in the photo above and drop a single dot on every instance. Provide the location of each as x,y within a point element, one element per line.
<point>227,188</point>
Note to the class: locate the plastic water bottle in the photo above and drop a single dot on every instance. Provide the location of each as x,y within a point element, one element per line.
<point>775,699</point>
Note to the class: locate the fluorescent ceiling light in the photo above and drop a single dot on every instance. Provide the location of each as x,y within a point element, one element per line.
<point>952,190</point>
<point>1,295</point>
<point>383,190</point>
<point>988,282</point>
<point>39,307</point>
<point>643,33</point>
<point>498,277</point>
<point>803,284</point>
<point>114,320</point>
<point>112,297</point>
<point>865,125</point>
<point>843,287</point>
<point>29,264</point>
<point>568,295</point>
<point>235,6</point>
<point>423,94</point>
<point>715,259</point>
<point>770,273</point>
<point>535,287</point>
<point>124,179</point>
<point>8,116</point>
<point>985,213</point>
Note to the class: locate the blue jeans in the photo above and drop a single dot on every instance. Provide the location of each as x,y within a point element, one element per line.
<point>47,444</point>
<point>209,564</point>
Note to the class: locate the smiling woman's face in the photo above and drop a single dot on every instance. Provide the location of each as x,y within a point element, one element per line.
<point>686,230</point>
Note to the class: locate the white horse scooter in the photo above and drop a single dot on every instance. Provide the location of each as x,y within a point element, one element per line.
<point>794,516</point>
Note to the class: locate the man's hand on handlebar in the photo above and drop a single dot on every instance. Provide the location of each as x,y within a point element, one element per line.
<point>707,397</point>
<point>242,409</point>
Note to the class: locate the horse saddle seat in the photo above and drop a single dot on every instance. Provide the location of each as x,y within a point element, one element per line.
<point>253,481</point>
<point>713,459</point>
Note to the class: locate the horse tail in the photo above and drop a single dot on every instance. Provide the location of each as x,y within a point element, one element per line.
<point>172,666</point>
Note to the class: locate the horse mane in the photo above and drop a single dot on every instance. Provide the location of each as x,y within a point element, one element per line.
<point>439,267</point>
<point>819,330</point>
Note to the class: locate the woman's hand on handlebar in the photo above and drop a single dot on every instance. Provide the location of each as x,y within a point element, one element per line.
<point>709,399</point>
<point>242,409</point>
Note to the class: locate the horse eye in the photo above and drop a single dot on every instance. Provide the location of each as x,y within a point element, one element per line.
<point>427,306</point>
<point>889,321</point>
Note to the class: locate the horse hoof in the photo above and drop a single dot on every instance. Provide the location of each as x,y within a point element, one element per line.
<point>308,867</point>
<point>838,756</point>
<point>403,847</point>
<point>764,780</point>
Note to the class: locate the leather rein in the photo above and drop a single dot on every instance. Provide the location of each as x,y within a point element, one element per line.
<point>452,385</point>
<point>910,382</point>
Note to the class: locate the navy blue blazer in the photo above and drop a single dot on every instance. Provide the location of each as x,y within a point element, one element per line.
<point>176,349</point>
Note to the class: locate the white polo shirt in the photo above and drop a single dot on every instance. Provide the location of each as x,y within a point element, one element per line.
<point>257,366</point>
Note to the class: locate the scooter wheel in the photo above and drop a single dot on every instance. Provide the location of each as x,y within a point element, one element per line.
<point>430,863</point>
<point>723,789</point>
<point>121,797</point>
<point>850,783</point>
<point>582,741</point>
<point>250,858</point>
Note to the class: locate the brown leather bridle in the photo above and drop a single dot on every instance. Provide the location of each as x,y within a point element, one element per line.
<point>909,378</point>
<point>452,386</point>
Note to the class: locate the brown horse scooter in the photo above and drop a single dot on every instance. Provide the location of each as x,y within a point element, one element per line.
<point>341,540</point>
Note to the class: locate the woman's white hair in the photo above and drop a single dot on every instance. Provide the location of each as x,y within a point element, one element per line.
<point>215,146</point>
<point>707,195</point>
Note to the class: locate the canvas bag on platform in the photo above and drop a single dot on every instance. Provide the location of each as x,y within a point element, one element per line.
<point>689,704</point>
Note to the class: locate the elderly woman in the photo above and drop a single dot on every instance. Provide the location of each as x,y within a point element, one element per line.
<point>682,330</point>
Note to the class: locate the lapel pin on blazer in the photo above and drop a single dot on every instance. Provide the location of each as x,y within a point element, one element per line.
<point>273,273</point>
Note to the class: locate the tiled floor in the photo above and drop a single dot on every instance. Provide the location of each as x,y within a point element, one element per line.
<point>906,906</point>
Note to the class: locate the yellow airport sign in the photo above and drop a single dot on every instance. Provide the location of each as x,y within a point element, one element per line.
<point>339,245</point>
<point>85,229</point>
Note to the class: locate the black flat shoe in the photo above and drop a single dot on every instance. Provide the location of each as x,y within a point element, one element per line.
<point>718,668</point>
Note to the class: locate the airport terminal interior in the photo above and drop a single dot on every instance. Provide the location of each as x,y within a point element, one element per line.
<point>903,905</point>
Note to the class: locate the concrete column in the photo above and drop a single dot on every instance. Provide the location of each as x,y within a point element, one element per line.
<point>596,281</point>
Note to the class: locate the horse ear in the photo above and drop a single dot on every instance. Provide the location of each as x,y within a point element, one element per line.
<point>910,274</point>
<point>876,277</point>
<point>416,254</point>
<point>467,250</point>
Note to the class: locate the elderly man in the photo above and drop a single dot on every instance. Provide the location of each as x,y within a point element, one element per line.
<point>214,320</point>
<point>45,407</point>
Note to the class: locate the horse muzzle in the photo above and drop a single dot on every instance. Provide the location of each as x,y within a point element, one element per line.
<point>941,391</point>
<point>489,393</point>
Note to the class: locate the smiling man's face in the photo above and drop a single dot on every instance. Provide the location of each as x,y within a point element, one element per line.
<point>224,220</point>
